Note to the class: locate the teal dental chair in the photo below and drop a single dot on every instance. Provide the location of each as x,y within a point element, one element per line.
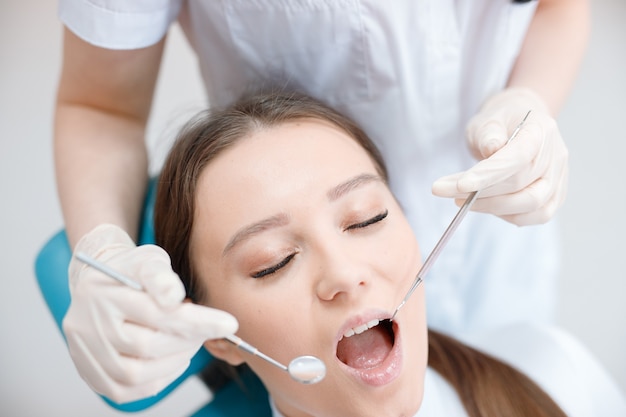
<point>246,397</point>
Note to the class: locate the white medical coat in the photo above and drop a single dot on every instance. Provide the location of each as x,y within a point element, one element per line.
<point>411,73</point>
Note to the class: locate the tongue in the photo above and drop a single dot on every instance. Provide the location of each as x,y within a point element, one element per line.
<point>365,350</point>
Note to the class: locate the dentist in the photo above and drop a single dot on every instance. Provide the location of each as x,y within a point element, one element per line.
<point>439,86</point>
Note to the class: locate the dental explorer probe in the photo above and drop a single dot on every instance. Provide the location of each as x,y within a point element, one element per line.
<point>304,369</point>
<point>448,233</point>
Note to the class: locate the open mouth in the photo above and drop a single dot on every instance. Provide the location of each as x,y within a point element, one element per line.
<point>366,346</point>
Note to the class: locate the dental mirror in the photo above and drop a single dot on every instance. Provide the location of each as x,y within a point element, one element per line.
<point>448,233</point>
<point>304,369</point>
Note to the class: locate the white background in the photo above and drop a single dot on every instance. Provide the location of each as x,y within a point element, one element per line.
<point>36,374</point>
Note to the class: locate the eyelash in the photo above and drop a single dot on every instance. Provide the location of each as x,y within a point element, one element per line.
<point>275,268</point>
<point>272,269</point>
<point>369,222</point>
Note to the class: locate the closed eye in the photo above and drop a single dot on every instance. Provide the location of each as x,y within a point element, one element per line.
<point>368,222</point>
<point>273,269</point>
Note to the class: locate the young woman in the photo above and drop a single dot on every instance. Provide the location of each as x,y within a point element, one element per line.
<point>277,210</point>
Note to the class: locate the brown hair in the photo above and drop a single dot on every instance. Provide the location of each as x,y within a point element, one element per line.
<point>486,386</point>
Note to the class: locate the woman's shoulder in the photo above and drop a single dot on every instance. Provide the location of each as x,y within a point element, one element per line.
<point>559,363</point>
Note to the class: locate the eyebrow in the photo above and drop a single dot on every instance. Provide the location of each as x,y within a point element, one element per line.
<point>246,232</point>
<point>353,183</point>
<point>283,219</point>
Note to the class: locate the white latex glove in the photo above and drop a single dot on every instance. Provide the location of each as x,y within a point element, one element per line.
<point>129,344</point>
<point>523,182</point>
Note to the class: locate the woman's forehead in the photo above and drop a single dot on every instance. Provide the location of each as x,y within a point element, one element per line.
<point>291,163</point>
<point>299,142</point>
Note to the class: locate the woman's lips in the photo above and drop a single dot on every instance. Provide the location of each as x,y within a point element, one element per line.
<point>377,373</point>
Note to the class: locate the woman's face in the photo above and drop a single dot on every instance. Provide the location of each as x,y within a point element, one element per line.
<point>298,237</point>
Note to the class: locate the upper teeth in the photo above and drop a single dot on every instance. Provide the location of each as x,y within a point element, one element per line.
<point>360,329</point>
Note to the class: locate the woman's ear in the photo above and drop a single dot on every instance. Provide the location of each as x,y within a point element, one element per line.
<point>224,350</point>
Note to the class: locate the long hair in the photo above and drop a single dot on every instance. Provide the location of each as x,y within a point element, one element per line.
<point>487,387</point>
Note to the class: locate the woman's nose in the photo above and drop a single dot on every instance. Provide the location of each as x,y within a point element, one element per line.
<point>340,276</point>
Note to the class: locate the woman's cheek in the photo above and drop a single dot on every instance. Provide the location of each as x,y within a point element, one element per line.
<point>404,251</point>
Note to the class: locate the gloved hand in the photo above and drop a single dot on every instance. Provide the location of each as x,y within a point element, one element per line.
<point>129,344</point>
<point>523,182</point>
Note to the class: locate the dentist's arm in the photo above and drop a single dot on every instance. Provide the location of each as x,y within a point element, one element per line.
<point>526,181</point>
<point>553,50</point>
<point>103,103</point>
<point>126,344</point>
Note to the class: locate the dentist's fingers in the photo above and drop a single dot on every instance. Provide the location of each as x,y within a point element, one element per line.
<point>130,379</point>
<point>535,204</point>
<point>524,181</point>
<point>186,326</point>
